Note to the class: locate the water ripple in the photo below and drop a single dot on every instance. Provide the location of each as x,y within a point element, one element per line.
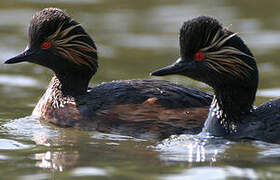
<point>192,148</point>
<point>8,144</point>
<point>88,171</point>
<point>213,173</point>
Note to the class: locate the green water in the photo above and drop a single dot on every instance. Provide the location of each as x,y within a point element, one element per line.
<point>133,39</point>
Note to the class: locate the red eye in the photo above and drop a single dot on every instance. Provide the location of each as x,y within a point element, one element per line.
<point>46,45</point>
<point>199,56</point>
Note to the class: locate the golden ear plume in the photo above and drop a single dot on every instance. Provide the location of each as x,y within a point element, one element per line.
<point>223,58</point>
<point>71,48</point>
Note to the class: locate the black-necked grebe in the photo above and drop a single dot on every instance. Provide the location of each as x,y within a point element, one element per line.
<point>140,108</point>
<point>218,57</point>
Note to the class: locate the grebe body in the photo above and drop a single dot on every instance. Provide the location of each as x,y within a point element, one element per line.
<point>218,57</point>
<point>141,108</point>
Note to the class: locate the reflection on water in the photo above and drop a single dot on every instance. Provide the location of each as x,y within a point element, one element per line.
<point>133,38</point>
<point>59,150</point>
<point>204,148</point>
<point>214,151</point>
<point>115,137</point>
<point>35,176</point>
<point>56,160</point>
<point>89,171</point>
<point>214,173</point>
<point>7,144</point>
<point>192,148</point>
<point>31,128</point>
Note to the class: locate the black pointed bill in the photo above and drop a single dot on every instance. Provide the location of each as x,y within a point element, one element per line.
<point>177,68</point>
<point>26,55</point>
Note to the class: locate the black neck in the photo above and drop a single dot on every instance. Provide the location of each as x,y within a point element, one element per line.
<point>72,83</point>
<point>228,108</point>
<point>235,101</point>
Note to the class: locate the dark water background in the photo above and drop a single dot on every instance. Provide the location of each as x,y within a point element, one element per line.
<point>133,39</point>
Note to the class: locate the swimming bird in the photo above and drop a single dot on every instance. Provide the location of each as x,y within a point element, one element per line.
<point>212,54</point>
<point>150,109</point>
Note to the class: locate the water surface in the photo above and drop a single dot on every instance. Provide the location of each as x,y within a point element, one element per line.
<point>133,39</point>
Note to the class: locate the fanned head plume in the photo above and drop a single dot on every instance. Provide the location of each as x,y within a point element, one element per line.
<point>53,30</point>
<point>213,54</point>
<point>219,53</point>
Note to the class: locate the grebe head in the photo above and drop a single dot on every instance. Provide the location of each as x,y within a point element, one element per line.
<point>214,55</point>
<point>58,42</point>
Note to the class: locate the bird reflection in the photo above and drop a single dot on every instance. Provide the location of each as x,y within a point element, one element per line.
<point>56,160</point>
<point>51,140</point>
<point>192,148</point>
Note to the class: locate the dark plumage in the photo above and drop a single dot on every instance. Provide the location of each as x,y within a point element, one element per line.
<point>141,108</point>
<point>218,57</point>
